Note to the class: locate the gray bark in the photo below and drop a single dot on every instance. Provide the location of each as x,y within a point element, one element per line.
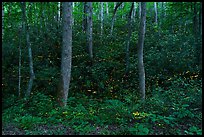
<point>2,20</point>
<point>139,5</point>
<point>73,17</point>
<point>201,19</point>
<point>122,6</point>
<point>26,30</point>
<point>128,39</point>
<point>101,15</point>
<point>19,63</point>
<point>164,4</point>
<point>58,12</point>
<point>107,9</point>
<point>84,24</point>
<point>155,11</point>
<point>114,5</point>
<point>89,30</point>
<point>19,59</point>
<point>134,11</point>
<point>114,16</point>
<point>140,50</point>
<point>66,60</point>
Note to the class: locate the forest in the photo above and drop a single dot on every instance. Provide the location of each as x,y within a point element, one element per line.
<point>102,68</point>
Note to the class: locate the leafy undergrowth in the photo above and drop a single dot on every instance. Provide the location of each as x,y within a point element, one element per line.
<point>175,111</point>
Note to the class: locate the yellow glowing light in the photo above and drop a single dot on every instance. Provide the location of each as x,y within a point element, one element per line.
<point>169,78</point>
<point>136,114</point>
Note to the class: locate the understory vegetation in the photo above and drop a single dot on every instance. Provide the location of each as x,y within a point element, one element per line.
<point>103,99</point>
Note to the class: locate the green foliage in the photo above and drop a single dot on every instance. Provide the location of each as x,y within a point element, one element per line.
<point>102,99</point>
<point>28,121</point>
<point>139,129</point>
<point>194,130</point>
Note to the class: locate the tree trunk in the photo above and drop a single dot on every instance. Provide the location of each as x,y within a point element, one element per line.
<point>200,17</point>
<point>58,11</point>
<point>101,15</point>
<point>134,11</point>
<point>9,15</point>
<point>140,50</point>
<point>66,60</point>
<point>107,9</point>
<point>2,20</point>
<point>19,62</point>
<point>84,24</point>
<point>128,39</point>
<point>155,11</point>
<point>89,29</point>
<point>122,6</point>
<point>114,5</point>
<point>139,5</point>
<point>26,30</point>
<point>113,18</point>
<point>73,17</point>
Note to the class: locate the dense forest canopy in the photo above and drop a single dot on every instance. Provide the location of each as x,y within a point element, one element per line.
<point>102,68</point>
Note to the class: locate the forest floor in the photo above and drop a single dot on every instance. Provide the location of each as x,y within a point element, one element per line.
<point>12,129</point>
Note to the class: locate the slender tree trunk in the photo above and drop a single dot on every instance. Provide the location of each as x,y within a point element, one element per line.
<point>114,16</point>
<point>140,50</point>
<point>155,11</point>
<point>99,7</point>
<point>89,30</point>
<point>139,7</point>
<point>73,17</point>
<point>19,63</point>
<point>84,24</point>
<point>122,6</point>
<point>66,61</point>
<point>134,11</point>
<point>58,15</point>
<point>2,20</point>
<point>107,9</point>
<point>114,5</point>
<point>200,19</point>
<point>101,15</point>
<point>26,30</point>
<point>164,4</point>
<point>9,15</point>
<point>128,39</point>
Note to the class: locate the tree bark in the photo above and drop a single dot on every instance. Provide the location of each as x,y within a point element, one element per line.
<point>128,39</point>
<point>89,30</point>
<point>107,9</point>
<point>114,5</point>
<point>155,11</point>
<point>101,15</point>
<point>139,5</point>
<point>84,24</point>
<point>73,17</point>
<point>140,50</point>
<point>19,62</point>
<point>66,60</point>
<point>2,20</point>
<point>58,12</point>
<point>113,18</point>
<point>200,17</point>
<point>26,30</point>
<point>134,11</point>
